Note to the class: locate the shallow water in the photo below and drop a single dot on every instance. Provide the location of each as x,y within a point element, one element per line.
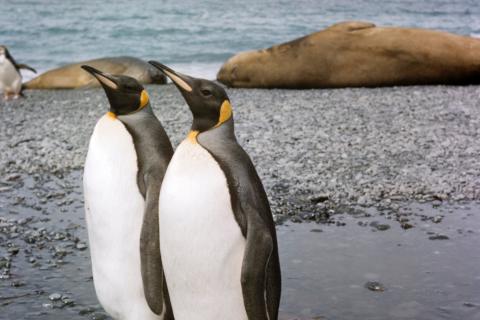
<point>197,36</point>
<point>325,272</point>
<point>325,267</point>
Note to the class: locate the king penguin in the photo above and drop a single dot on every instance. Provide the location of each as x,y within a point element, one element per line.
<point>10,76</point>
<point>217,236</point>
<point>128,155</point>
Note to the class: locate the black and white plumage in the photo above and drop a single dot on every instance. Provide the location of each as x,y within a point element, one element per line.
<point>217,235</point>
<point>10,76</point>
<point>127,158</point>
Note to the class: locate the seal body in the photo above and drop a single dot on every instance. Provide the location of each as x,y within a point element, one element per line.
<point>201,243</point>
<point>73,77</point>
<point>358,54</point>
<point>10,77</point>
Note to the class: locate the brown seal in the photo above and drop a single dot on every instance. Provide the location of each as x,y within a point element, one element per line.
<point>72,76</point>
<point>358,54</point>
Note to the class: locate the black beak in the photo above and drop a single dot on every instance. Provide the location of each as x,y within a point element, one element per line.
<point>183,82</point>
<point>106,79</point>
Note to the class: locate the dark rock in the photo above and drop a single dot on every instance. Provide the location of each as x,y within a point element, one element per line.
<point>374,286</point>
<point>55,297</point>
<point>86,311</point>
<point>17,284</point>
<point>320,198</point>
<point>439,237</point>
<point>470,305</point>
<point>81,246</point>
<point>295,219</point>
<point>406,226</point>
<point>13,251</point>
<point>382,227</point>
<point>307,216</point>
<point>98,316</point>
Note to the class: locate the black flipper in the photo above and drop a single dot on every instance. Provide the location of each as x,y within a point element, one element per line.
<point>26,66</point>
<point>154,152</point>
<point>15,64</point>
<point>151,261</point>
<point>261,279</point>
<point>258,253</point>
<point>10,57</point>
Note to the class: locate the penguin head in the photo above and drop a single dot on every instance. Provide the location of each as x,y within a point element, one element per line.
<point>125,94</point>
<point>207,100</point>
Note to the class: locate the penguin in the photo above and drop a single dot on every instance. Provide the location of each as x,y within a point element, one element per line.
<point>10,76</point>
<point>217,236</point>
<point>126,161</point>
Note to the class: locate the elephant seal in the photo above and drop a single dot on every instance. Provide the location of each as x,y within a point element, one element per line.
<point>358,54</point>
<point>72,76</point>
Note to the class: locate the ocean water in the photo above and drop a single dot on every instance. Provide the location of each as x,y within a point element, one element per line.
<point>198,36</point>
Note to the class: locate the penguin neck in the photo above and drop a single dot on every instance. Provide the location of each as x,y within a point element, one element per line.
<point>145,111</point>
<point>224,132</point>
<point>202,124</point>
<point>152,145</point>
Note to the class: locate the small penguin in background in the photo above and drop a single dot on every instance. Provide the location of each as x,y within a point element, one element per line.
<point>217,236</point>
<point>10,76</point>
<point>127,158</point>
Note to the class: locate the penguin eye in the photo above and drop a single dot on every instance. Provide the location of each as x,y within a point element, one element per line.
<point>206,92</point>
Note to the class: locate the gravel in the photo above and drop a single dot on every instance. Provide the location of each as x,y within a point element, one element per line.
<point>313,149</point>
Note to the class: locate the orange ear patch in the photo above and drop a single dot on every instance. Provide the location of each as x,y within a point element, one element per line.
<point>225,113</point>
<point>143,99</point>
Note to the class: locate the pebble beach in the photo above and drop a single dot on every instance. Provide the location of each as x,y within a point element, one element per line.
<point>352,146</point>
<point>343,169</point>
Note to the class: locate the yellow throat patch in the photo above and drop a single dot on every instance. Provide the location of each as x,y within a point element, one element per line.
<point>192,136</point>
<point>111,115</point>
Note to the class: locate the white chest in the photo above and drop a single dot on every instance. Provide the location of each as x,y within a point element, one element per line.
<point>201,243</point>
<point>114,212</point>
